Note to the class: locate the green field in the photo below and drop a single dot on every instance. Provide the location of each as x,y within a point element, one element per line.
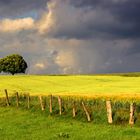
<point>17,124</point>
<point>81,85</point>
<point>33,124</point>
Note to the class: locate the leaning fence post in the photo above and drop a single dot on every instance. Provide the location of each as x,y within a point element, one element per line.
<point>109,112</point>
<point>86,111</point>
<point>7,98</point>
<point>60,105</point>
<point>17,98</point>
<point>41,103</point>
<point>28,101</point>
<point>132,109</point>
<point>50,103</point>
<point>74,110</point>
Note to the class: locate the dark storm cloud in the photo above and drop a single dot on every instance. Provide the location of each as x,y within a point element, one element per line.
<point>126,13</point>
<point>73,36</point>
<point>134,50</point>
<point>12,8</point>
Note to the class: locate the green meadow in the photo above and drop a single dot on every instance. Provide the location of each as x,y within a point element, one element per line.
<point>33,124</point>
<point>18,124</point>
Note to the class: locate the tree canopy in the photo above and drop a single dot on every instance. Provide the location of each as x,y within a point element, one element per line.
<point>13,64</point>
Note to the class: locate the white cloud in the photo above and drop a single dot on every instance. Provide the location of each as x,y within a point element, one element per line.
<point>14,25</point>
<point>40,65</point>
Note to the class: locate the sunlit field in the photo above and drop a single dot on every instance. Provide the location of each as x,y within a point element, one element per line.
<point>22,123</point>
<point>118,86</point>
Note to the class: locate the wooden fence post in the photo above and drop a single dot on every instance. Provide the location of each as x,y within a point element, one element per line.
<point>17,98</point>
<point>41,103</point>
<point>7,98</point>
<point>28,101</point>
<point>74,110</point>
<point>132,110</point>
<point>109,112</point>
<point>60,105</point>
<point>51,104</point>
<point>86,111</point>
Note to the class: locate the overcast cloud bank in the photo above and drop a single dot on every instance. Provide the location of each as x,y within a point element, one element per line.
<point>72,37</point>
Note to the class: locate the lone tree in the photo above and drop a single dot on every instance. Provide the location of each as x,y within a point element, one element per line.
<point>13,64</point>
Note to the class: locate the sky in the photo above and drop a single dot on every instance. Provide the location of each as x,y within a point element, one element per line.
<point>72,36</point>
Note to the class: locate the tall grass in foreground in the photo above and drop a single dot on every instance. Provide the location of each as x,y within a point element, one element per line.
<point>95,107</point>
<point>23,124</point>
